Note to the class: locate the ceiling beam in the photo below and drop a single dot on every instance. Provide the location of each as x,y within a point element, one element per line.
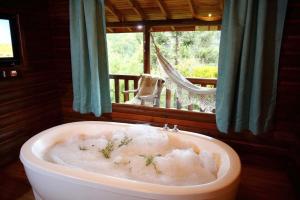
<point>162,8</point>
<point>136,7</point>
<point>222,5</point>
<point>169,22</point>
<point>192,7</point>
<point>111,8</point>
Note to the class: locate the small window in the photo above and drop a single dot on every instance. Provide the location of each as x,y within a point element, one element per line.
<point>9,41</point>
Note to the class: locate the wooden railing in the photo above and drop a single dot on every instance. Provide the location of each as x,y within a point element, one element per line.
<point>132,80</point>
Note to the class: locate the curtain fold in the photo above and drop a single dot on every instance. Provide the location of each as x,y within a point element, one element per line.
<point>248,64</point>
<point>90,74</point>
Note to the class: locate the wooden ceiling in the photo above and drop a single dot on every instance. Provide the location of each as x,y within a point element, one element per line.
<point>163,15</point>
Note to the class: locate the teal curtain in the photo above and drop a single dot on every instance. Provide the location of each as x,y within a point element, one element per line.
<point>248,64</point>
<point>90,74</point>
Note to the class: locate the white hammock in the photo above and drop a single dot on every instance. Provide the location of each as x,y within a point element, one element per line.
<point>182,84</point>
<point>180,80</point>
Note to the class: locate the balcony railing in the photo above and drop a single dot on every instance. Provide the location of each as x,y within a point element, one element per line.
<point>120,82</point>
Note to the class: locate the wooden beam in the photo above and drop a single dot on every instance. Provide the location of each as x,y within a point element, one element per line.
<point>117,90</point>
<point>163,9</point>
<point>192,7</point>
<point>136,7</point>
<point>110,30</point>
<point>222,5</point>
<point>111,8</point>
<point>168,98</point>
<point>169,22</point>
<point>146,49</point>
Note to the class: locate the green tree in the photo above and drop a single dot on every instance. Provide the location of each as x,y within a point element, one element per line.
<point>125,53</point>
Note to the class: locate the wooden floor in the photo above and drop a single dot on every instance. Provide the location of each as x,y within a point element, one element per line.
<point>13,182</point>
<point>257,183</point>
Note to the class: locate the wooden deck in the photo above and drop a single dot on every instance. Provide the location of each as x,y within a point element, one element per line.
<point>258,182</point>
<point>121,82</point>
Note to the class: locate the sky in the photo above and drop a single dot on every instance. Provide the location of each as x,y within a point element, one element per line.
<point>5,37</point>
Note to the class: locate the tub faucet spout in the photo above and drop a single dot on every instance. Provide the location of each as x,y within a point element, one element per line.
<point>166,128</point>
<point>175,129</point>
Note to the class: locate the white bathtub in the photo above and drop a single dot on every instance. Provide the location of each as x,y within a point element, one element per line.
<point>51,181</point>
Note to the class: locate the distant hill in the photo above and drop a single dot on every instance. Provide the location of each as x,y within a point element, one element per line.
<point>6,50</point>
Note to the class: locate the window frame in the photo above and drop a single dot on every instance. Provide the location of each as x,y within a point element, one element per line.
<point>128,112</point>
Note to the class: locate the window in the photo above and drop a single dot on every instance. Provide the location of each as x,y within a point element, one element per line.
<point>9,42</point>
<point>194,54</point>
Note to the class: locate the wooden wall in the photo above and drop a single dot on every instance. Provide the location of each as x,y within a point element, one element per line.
<point>31,103</point>
<point>288,107</point>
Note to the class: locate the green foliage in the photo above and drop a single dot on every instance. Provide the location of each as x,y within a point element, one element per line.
<point>193,53</point>
<point>199,71</point>
<point>149,160</point>
<point>125,141</point>
<point>125,53</point>
<point>108,149</point>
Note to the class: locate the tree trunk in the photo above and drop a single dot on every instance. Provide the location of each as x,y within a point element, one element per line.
<point>176,47</point>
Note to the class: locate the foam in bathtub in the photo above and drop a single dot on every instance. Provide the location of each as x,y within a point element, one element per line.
<point>138,153</point>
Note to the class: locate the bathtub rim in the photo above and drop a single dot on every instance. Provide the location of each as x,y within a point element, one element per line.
<point>30,160</point>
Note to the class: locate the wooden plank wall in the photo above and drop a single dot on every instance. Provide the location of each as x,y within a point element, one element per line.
<point>282,140</point>
<point>31,103</point>
<point>288,107</point>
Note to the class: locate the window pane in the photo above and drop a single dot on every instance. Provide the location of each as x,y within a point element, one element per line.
<point>125,53</point>
<point>6,50</point>
<point>192,53</point>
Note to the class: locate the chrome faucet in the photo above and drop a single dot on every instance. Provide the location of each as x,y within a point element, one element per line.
<point>175,129</point>
<point>166,128</point>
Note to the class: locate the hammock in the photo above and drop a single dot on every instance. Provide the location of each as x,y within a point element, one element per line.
<point>194,92</point>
